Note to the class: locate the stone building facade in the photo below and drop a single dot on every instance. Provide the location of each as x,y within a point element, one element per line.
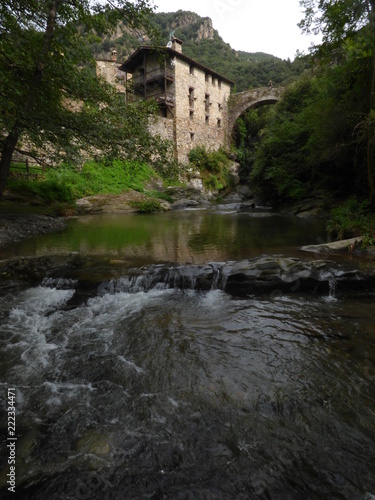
<point>192,99</point>
<point>109,70</point>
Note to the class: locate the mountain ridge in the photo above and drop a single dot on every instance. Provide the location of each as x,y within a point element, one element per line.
<point>202,42</point>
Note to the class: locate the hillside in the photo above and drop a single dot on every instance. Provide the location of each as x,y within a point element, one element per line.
<point>203,43</point>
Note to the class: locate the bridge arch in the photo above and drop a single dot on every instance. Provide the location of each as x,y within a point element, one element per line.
<point>240,102</point>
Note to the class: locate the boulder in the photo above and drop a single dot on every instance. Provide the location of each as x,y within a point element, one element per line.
<point>334,246</point>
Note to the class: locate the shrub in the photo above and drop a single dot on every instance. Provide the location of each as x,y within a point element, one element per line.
<point>147,206</point>
<point>349,220</point>
<point>213,166</point>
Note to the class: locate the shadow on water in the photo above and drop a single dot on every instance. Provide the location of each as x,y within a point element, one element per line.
<point>159,392</point>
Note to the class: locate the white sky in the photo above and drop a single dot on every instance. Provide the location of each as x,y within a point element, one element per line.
<point>268,26</point>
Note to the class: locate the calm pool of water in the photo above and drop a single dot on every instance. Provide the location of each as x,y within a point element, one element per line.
<point>181,236</point>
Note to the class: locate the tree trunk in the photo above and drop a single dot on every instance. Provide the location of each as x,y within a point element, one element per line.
<point>6,157</point>
<point>10,142</point>
<point>371,137</point>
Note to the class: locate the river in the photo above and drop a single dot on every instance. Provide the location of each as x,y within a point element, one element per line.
<point>127,389</point>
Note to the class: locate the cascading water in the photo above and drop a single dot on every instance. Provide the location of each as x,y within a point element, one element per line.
<point>163,382</point>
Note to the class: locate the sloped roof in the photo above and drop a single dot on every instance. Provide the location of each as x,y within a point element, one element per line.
<point>136,58</point>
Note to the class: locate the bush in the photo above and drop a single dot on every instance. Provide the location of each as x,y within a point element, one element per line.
<point>349,220</point>
<point>147,206</point>
<point>213,166</point>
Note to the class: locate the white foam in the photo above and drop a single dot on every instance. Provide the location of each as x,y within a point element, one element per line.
<point>130,364</point>
<point>30,321</point>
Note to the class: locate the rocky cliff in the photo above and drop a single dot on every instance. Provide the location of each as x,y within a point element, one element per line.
<point>203,43</point>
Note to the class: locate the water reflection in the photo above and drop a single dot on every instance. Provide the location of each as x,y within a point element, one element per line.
<point>181,237</point>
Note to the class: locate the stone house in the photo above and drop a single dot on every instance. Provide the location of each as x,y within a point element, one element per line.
<point>192,99</point>
<point>109,70</point>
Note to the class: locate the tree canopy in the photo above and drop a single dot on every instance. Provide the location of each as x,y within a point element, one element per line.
<point>52,104</point>
<point>348,29</point>
<point>321,134</point>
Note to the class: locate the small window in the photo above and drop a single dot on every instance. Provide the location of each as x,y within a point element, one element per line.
<point>191,69</point>
<point>214,82</point>
<point>218,123</point>
<point>191,97</point>
<point>207,78</point>
<point>207,120</point>
<point>191,115</point>
<point>207,103</point>
<point>219,84</point>
<point>192,136</point>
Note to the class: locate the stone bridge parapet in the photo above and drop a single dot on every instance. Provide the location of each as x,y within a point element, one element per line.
<point>242,101</point>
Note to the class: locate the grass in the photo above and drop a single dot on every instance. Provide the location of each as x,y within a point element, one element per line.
<point>66,183</point>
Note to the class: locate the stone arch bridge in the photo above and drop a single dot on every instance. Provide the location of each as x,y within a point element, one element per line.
<point>242,101</point>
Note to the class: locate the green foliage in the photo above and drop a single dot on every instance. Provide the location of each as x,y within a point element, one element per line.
<point>247,133</point>
<point>247,70</point>
<point>147,206</point>
<point>321,133</point>
<point>348,33</point>
<point>368,240</point>
<point>350,220</point>
<point>67,183</point>
<point>213,166</point>
<point>46,191</point>
<point>281,170</point>
<point>315,137</point>
<point>50,96</point>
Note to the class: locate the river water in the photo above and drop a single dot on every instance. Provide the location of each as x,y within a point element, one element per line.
<point>169,392</point>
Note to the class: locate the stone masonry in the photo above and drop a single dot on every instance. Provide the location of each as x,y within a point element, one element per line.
<point>192,99</point>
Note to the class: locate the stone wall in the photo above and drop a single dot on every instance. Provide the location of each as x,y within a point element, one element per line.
<point>201,116</point>
<point>109,70</point>
<point>162,127</point>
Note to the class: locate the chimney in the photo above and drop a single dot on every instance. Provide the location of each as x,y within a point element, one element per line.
<point>177,45</point>
<point>114,55</point>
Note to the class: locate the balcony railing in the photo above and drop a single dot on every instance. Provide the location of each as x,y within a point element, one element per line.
<point>155,74</point>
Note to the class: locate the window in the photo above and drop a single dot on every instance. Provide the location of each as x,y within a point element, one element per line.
<point>191,69</point>
<point>218,123</point>
<point>207,120</point>
<point>192,136</point>
<point>207,103</point>
<point>214,82</point>
<point>191,97</point>
<point>208,78</point>
<point>219,84</point>
<point>191,115</point>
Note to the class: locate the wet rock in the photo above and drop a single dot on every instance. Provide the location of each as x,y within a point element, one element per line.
<point>334,246</point>
<point>267,274</point>
<point>185,203</point>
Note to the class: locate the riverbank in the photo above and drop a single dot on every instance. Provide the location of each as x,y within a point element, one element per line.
<point>21,218</point>
<point>18,227</point>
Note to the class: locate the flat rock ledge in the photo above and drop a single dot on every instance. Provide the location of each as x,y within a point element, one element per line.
<point>351,245</point>
<point>266,274</point>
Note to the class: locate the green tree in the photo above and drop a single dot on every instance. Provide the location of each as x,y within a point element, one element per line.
<point>348,30</point>
<point>50,97</point>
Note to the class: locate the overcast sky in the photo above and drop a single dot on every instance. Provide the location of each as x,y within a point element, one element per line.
<point>268,26</point>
